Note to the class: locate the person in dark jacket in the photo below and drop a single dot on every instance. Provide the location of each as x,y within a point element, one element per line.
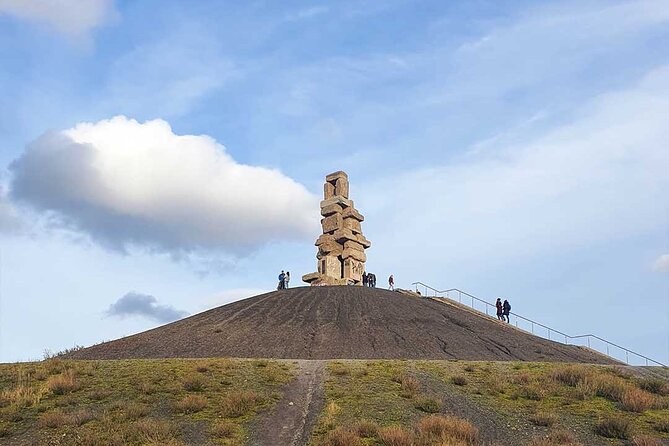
<point>365,279</point>
<point>500,309</point>
<point>506,309</point>
<point>282,281</point>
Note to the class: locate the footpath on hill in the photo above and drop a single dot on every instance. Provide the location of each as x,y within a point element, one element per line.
<point>291,421</point>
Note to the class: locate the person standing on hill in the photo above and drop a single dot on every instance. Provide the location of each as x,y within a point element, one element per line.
<point>391,283</point>
<point>286,280</point>
<point>365,279</point>
<point>282,281</point>
<point>506,309</point>
<point>500,309</point>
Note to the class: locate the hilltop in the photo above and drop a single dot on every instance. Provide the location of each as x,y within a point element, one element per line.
<point>340,322</point>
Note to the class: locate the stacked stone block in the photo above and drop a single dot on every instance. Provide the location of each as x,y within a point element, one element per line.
<point>341,248</point>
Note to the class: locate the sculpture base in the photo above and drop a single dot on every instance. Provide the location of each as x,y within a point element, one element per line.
<point>318,279</point>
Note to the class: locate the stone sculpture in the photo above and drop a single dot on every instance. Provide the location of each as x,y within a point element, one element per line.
<point>341,248</point>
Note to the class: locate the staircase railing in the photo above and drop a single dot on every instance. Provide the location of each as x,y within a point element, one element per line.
<point>593,342</point>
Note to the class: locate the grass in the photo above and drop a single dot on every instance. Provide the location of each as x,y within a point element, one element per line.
<point>613,427</point>
<point>136,402</point>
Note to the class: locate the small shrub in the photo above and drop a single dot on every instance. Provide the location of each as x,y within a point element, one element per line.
<point>366,429</point>
<point>193,383</point>
<point>447,428</point>
<point>261,363</point>
<point>342,437</point>
<point>459,380</point>
<point>54,419</point>
<point>531,392</point>
<point>613,427</point>
<point>191,404</point>
<point>610,387</point>
<point>239,403</point>
<point>428,404</point>
<point>645,440</point>
<point>135,411</point>
<point>202,368</point>
<point>543,419</point>
<point>63,383</point>
<point>522,378</point>
<point>223,429</point>
<point>654,385</point>
<point>153,431</point>
<point>570,375</point>
<point>469,368</point>
<point>81,417</point>
<point>98,395</point>
<point>395,436</point>
<point>21,396</point>
<point>410,386</point>
<point>636,400</point>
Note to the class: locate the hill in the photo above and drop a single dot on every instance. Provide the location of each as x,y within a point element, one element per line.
<point>339,322</point>
<point>220,401</point>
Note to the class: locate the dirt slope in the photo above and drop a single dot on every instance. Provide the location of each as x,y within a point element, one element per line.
<point>339,322</point>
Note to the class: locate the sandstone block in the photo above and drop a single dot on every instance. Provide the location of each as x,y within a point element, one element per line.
<point>341,187</point>
<point>328,190</point>
<point>330,266</point>
<point>362,240</point>
<point>353,225</point>
<point>342,201</point>
<point>350,244</point>
<point>353,269</point>
<point>332,223</point>
<point>352,213</point>
<point>341,235</point>
<point>324,239</point>
<point>331,247</point>
<point>331,209</point>
<point>354,254</point>
<point>334,176</point>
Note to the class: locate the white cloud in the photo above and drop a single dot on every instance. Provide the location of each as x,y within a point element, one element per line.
<point>126,184</point>
<point>73,17</point>
<point>662,264</point>
<point>9,220</point>
<point>598,178</point>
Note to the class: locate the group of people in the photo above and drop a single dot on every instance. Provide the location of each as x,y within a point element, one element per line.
<point>503,309</point>
<point>284,280</point>
<point>369,279</point>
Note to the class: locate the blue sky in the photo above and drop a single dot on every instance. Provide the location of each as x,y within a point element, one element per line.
<point>158,158</point>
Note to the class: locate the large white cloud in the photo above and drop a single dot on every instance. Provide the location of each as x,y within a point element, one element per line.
<point>128,184</point>
<point>74,17</point>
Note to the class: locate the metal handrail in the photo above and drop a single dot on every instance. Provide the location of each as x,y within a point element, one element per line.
<point>533,323</point>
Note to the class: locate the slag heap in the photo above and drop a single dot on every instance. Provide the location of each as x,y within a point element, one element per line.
<point>341,248</point>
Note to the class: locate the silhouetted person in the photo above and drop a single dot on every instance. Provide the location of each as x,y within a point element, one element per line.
<point>391,283</point>
<point>500,309</point>
<point>506,309</point>
<point>365,279</point>
<point>282,281</point>
<point>286,280</point>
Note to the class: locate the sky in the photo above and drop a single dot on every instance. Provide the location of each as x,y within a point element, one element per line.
<point>160,158</point>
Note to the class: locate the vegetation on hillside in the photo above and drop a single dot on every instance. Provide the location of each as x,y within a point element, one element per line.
<point>473,403</point>
<point>135,402</point>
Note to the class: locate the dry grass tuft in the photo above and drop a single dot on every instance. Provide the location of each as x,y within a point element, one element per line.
<point>645,440</point>
<point>556,438</point>
<point>654,385</point>
<point>223,429</point>
<point>636,400</point>
<point>613,427</point>
<point>395,436</point>
<point>202,368</point>
<point>571,375</point>
<point>194,383</point>
<point>459,380</point>
<point>428,404</point>
<point>155,432</point>
<point>545,419</point>
<point>447,429</point>
<point>63,383</point>
<point>238,403</point>
<point>342,437</point>
<point>134,411</point>
<point>54,419</point>
<point>340,369</point>
<point>20,396</point>
<point>366,429</point>
<point>191,404</point>
<point>410,386</point>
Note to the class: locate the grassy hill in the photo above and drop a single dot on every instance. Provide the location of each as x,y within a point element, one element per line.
<point>363,402</point>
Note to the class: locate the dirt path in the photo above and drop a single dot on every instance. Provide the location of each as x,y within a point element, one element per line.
<point>291,421</point>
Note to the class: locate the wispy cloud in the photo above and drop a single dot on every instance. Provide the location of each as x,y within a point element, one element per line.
<point>72,17</point>
<point>144,305</point>
<point>661,264</point>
